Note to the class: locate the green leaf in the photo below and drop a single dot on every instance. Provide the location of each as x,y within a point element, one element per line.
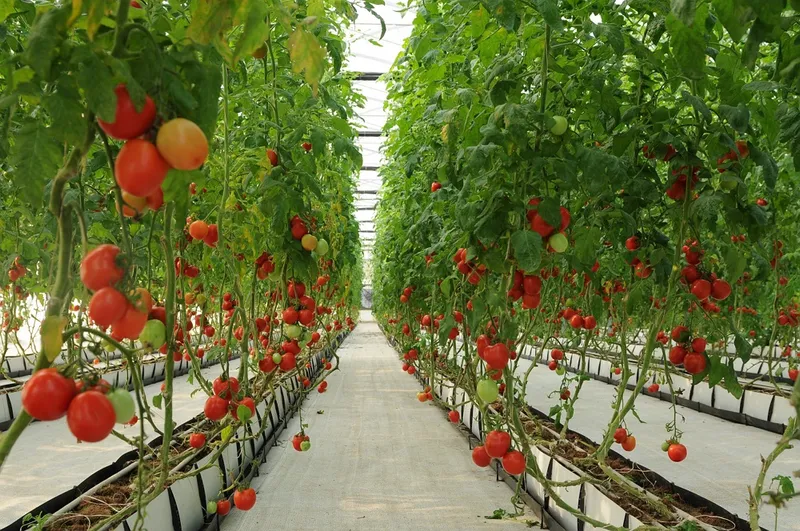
<point>732,381</point>
<point>307,56</point>
<point>736,264</point>
<point>698,105</point>
<point>157,399</point>
<point>684,10</point>
<point>743,347</point>
<point>769,168</point>
<point>47,33</point>
<point>478,20</point>
<point>95,9</point>
<point>550,210</point>
<point>688,46</point>
<point>97,83</point>
<point>734,17</point>
<point>35,158</point>
<point>549,11</point>
<point>737,117</point>
<point>786,485</point>
<point>67,114</point>
<point>761,86</point>
<point>717,371</point>
<point>527,247</point>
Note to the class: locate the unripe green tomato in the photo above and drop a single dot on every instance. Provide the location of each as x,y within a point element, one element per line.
<point>665,446</point>
<point>558,242</point>
<point>276,358</point>
<point>108,346</point>
<point>154,334</point>
<point>275,276</point>
<point>322,247</point>
<point>200,299</point>
<point>306,336</point>
<point>560,126</point>
<point>569,302</point>
<point>560,370</point>
<point>728,182</point>
<point>244,413</point>
<point>488,390</point>
<point>211,507</point>
<point>305,446</point>
<point>122,401</point>
<point>293,331</point>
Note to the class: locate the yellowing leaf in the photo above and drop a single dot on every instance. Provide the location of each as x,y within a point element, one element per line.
<point>52,330</point>
<point>211,20</point>
<point>255,30</point>
<point>307,56</point>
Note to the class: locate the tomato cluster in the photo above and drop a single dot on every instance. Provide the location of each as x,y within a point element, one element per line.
<point>91,410</point>
<point>497,445</point>
<point>689,352</point>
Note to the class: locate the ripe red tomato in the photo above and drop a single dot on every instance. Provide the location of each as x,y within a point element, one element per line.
<point>576,322</point>
<point>677,355</point>
<point>155,200</point>
<point>497,443</point>
<point>514,462</point>
<point>632,243</point>
<point>557,354</point>
<point>245,499</point>
<point>215,408</point>
<point>107,306</point>
<point>288,362</point>
<point>701,289</point>
<point>694,363</point>
<point>297,440</point>
<point>267,365</point>
<point>197,440</point>
<point>247,402</point>
<point>182,144</point>
<point>198,229</point>
<point>306,317</point>
<point>130,325</point>
<point>699,344</point>
<point>223,507</point>
<point>306,146</point>
<point>91,416</point>
<point>435,186</point>
<point>454,416</point>
<point>99,267</point>
<point>480,457</point>
<point>793,374</point>
<point>589,322</point>
<point>47,394</point>
<point>720,290</point>
<point>677,452</point>
<point>272,155</point>
<point>226,388</point>
<point>620,435</point>
<point>629,443</point>
<point>496,356</point>
<point>128,122</point>
<point>212,236</point>
<point>290,316</point>
<point>139,168</point>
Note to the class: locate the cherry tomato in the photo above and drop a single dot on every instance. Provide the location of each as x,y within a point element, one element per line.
<point>122,402</point>
<point>99,267</point>
<point>139,168</point>
<point>131,324</point>
<point>629,443</point>
<point>47,394</point>
<point>245,499</point>
<point>223,507</point>
<point>91,416</point>
<point>107,306</point>
<point>197,440</point>
<point>216,408</point>
<point>182,144</point>
<point>198,229</point>
<point>128,121</point>
<point>677,452</point>
<point>226,388</point>
<point>497,443</point>
<point>480,457</point>
<point>514,463</point>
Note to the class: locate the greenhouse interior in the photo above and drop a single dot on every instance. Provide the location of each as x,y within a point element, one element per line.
<point>409,265</point>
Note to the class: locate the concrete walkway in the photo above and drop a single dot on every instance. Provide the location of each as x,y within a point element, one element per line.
<point>379,459</point>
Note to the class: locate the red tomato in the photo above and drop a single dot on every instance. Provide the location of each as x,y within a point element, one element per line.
<point>694,363</point>
<point>720,290</point>
<point>701,289</point>
<point>454,416</point>
<point>677,452</point>
<point>629,443</point>
<point>216,408</point>
<point>480,457</point>
<point>290,316</point>
<point>99,267</point>
<point>91,416</point>
<point>212,236</point>
<point>620,435</point>
<point>223,507</point>
<point>677,355</point>
<point>182,144</point>
<point>47,394</point>
<point>632,243</point>
<point>576,322</point>
<point>272,155</point>
<point>435,186</point>
<point>198,229</point>
<point>514,463</point>
<point>497,443</point>
<point>247,402</point>
<point>557,354</point>
<point>288,362</point>
<point>589,322</point>
<point>244,499</point>
<point>225,388</point>
<point>297,440</point>
<point>128,122</point>
<point>267,365</point>
<point>155,200</point>
<point>131,324</point>
<point>793,374</point>
<point>699,344</point>
<point>197,440</point>
<point>139,168</point>
<point>107,306</point>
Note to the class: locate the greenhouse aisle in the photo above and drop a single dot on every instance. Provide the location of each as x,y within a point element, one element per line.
<point>379,459</point>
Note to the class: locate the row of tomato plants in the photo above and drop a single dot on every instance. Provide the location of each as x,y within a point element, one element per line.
<point>582,176</point>
<point>202,162</point>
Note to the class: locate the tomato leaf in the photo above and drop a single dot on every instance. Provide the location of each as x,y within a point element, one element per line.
<point>737,117</point>
<point>35,157</point>
<point>734,16</point>
<point>527,247</point>
<point>732,381</point>
<point>717,371</point>
<point>743,347</point>
<point>307,56</point>
<point>688,46</point>
<point>769,168</point>
<point>255,31</point>
<point>210,19</point>
<point>157,399</point>
<point>66,112</point>
<point>52,338</point>
<point>47,33</point>
<point>97,82</point>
